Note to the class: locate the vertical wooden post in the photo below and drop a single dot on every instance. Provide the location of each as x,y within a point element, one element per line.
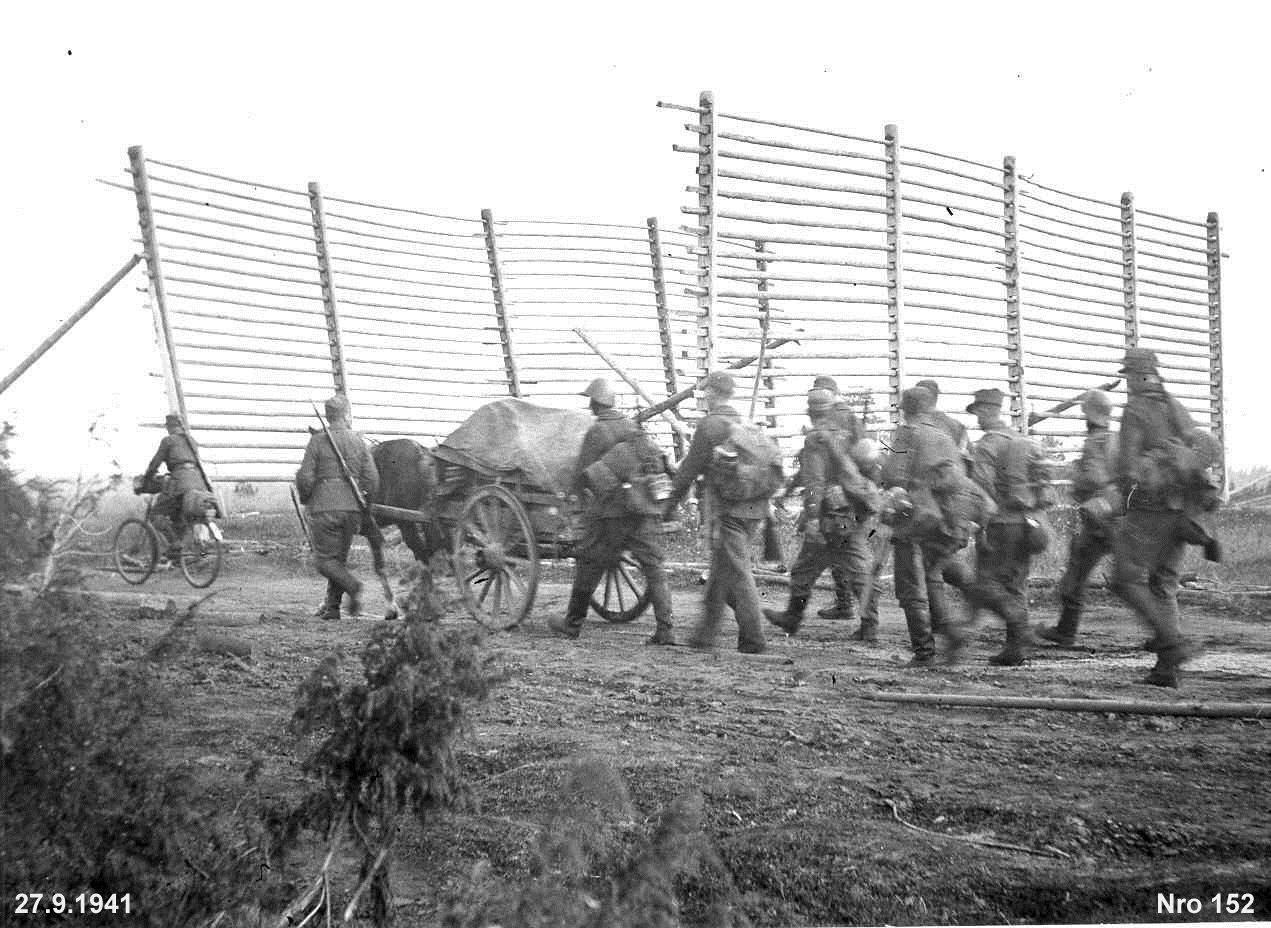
<point>1014,315</point>
<point>706,231</point>
<point>765,323</point>
<point>158,295</point>
<point>664,321</point>
<point>1213,253</point>
<point>334,341</point>
<point>1129,271</point>
<point>500,303</point>
<point>895,267</point>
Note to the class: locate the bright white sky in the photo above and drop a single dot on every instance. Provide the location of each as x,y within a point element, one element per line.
<point>546,110</point>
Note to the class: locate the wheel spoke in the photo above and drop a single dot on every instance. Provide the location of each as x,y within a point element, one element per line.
<point>485,591</point>
<point>608,588</point>
<point>516,580</point>
<point>476,573</point>
<point>497,582</point>
<point>622,569</point>
<point>622,606</point>
<point>478,535</point>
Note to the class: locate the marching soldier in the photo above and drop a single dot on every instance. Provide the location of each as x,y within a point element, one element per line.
<point>838,505</point>
<point>922,458</point>
<point>732,523</point>
<point>1012,470</point>
<point>1093,490</point>
<point>334,516</point>
<point>1155,468</point>
<point>612,525</point>
<point>178,453</point>
<point>952,427</point>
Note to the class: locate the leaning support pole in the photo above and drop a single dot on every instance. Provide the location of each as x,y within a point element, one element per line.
<point>1213,252</point>
<point>500,303</point>
<point>672,416</point>
<point>658,408</point>
<point>1211,710</point>
<point>69,323</point>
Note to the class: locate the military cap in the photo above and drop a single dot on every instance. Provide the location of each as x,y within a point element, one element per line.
<point>915,400</point>
<point>1139,361</point>
<point>721,382</point>
<point>337,407</point>
<point>930,385</point>
<point>600,392</point>
<point>825,383</point>
<point>819,401</point>
<point>1097,407</point>
<point>991,397</point>
<point>173,420</point>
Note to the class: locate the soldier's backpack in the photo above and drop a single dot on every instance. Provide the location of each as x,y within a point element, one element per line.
<point>635,467</point>
<point>746,466</point>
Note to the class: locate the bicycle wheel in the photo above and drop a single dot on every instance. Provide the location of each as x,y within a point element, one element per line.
<point>201,556</point>
<point>136,550</point>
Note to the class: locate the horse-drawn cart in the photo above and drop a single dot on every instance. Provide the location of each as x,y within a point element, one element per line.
<point>503,503</point>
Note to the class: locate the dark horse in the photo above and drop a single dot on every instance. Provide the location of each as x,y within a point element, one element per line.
<point>408,480</point>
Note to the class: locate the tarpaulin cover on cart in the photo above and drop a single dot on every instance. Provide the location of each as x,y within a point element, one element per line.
<point>516,440</point>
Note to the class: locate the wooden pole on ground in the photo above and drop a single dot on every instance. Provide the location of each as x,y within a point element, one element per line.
<point>1214,710</point>
<point>69,323</point>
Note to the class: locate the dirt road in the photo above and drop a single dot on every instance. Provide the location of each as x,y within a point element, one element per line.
<point>821,806</point>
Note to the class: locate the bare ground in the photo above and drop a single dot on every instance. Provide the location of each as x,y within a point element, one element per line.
<point>822,806</point>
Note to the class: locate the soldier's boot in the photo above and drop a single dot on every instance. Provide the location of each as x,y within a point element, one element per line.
<point>329,611</point>
<point>1168,662</point>
<point>920,637</point>
<point>571,625</point>
<point>868,629</point>
<point>661,597</point>
<point>789,620</point>
<point>844,608</point>
<point>1064,633</point>
<point>1019,641</point>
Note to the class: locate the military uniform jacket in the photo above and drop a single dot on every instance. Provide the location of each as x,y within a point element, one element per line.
<point>610,428</point>
<point>177,453</point>
<point>1148,422</point>
<point>320,481</point>
<point>953,428</point>
<point>711,432</point>
<point>991,469</point>
<point>1093,471</point>
<point>827,462</point>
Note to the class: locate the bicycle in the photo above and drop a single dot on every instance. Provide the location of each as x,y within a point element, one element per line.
<point>139,543</point>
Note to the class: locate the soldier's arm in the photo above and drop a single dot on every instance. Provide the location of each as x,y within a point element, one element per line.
<point>695,461</point>
<point>984,466</point>
<point>1130,444</point>
<point>307,475</point>
<point>159,456</point>
<point>815,475</point>
<point>369,477</point>
<point>592,451</point>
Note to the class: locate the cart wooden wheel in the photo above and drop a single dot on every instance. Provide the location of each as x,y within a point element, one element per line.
<point>495,558</point>
<point>626,594</point>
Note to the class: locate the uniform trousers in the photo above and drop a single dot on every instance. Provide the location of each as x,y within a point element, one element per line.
<point>1090,544</point>
<point>602,545</point>
<point>332,534</point>
<point>1148,550</point>
<point>731,584</point>
<point>922,568</point>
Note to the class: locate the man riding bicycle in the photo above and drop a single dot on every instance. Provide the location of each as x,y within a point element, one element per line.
<point>179,454</point>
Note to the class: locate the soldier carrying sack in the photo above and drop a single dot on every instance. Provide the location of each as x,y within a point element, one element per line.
<point>747,465</point>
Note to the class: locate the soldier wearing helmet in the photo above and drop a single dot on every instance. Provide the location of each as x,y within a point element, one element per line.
<point>610,525</point>
<point>1094,492</point>
<point>1160,509</point>
<point>733,526</point>
<point>334,515</point>
<point>839,504</point>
